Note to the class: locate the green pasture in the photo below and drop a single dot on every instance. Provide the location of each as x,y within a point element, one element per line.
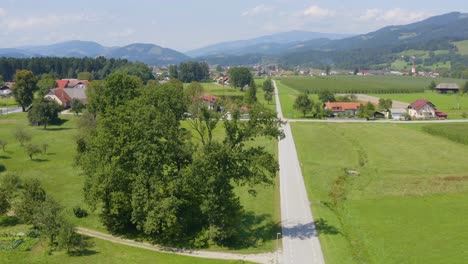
<point>462,47</point>
<point>7,102</point>
<point>406,206</point>
<point>287,96</point>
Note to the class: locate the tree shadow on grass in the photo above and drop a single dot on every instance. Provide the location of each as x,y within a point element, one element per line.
<point>254,231</point>
<point>5,157</point>
<point>57,128</point>
<point>40,160</point>
<point>2,168</point>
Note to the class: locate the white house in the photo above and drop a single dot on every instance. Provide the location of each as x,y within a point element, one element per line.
<point>424,109</point>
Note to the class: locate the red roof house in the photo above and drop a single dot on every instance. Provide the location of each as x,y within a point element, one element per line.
<point>424,109</point>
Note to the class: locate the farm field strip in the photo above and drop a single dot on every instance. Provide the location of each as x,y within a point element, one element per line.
<point>363,84</point>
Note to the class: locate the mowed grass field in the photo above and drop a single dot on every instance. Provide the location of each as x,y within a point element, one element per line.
<point>364,84</point>
<point>462,47</point>
<point>7,102</point>
<point>287,96</point>
<point>447,103</point>
<point>64,181</point>
<point>409,203</point>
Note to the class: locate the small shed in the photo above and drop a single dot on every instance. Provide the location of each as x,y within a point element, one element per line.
<point>444,88</point>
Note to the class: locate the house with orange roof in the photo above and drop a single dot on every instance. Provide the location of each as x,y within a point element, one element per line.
<point>344,108</point>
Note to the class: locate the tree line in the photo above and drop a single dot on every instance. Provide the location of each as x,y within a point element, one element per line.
<point>100,67</point>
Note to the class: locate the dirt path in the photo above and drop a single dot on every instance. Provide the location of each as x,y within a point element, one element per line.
<point>256,258</point>
<point>373,99</point>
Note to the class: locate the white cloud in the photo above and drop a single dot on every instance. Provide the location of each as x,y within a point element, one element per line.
<point>394,16</point>
<point>2,12</point>
<point>122,33</point>
<point>18,23</point>
<point>315,11</point>
<point>260,9</point>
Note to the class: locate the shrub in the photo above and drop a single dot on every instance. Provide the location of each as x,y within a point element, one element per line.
<point>80,212</point>
<point>34,233</point>
<point>7,220</point>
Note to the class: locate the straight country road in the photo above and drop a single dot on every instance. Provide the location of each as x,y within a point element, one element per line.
<point>300,239</point>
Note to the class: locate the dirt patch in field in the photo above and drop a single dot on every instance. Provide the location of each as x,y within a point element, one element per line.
<point>8,121</point>
<point>455,178</point>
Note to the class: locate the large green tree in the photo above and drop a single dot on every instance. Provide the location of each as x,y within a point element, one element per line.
<point>326,96</point>
<point>303,104</point>
<point>138,69</point>
<point>251,95</point>
<point>144,172</point>
<point>117,89</point>
<point>33,196</point>
<point>240,77</point>
<point>44,111</point>
<point>24,88</point>
<point>268,85</point>
<point>190,71</point>
<point>46,82</point>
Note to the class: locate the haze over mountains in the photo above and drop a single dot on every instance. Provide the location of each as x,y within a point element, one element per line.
<point>290,48</point>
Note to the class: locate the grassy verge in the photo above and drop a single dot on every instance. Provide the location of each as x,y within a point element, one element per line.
<point>8,102</point>
<point>409,197</point>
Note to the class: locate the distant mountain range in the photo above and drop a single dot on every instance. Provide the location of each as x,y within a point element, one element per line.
<point>442,35</point>
<point>147,53</point>
<point>438,41</point>
<point>270,44</point>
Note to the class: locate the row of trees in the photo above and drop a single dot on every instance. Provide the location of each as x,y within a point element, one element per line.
<point>145,171</point>
<point>99,67</point>
<point>190,71</point>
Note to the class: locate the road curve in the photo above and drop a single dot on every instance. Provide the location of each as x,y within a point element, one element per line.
<point>300,239</point>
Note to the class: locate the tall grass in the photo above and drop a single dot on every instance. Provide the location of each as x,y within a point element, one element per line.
<point>454,132</point>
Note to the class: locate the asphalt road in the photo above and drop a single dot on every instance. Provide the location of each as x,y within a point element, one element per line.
<point>300,239</point>
<point>9,110</point>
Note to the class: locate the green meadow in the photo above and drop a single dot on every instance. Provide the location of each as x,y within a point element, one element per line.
<point>64,181</point>
<point>408,203</point>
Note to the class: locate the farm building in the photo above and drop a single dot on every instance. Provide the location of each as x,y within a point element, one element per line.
<point>444,88</point>
<point>345,108</point>
<point>6,88</point>
<point>396,113</point>
<point>424,109</point>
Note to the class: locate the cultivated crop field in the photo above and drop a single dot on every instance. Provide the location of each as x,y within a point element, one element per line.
<point>363,84</point>
<point>406,206</point>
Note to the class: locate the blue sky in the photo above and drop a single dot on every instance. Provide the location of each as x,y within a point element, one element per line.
<point>189,24</point>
